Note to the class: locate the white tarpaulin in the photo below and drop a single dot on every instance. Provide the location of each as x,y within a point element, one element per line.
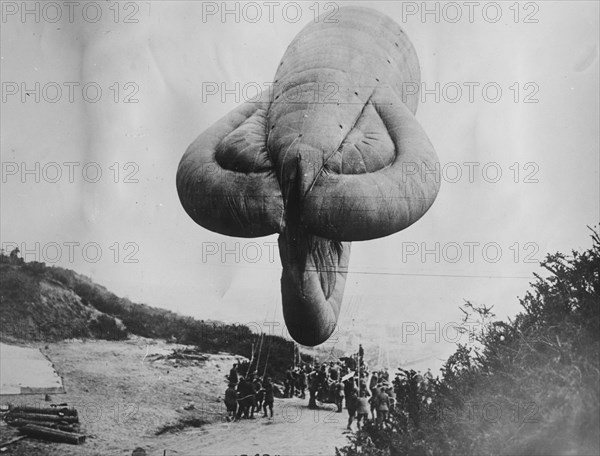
<point>27,371</point>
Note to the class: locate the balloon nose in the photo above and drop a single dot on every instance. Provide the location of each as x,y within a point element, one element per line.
<point>309,333</point>
<point>312,284</point>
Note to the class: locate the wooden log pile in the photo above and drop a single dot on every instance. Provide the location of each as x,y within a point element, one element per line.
<point>182,354</point>
<point>188,353</point>
<point>57,424</point>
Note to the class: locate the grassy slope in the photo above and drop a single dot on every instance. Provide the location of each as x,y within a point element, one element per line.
<point>37,307</point>
<point>51,303</point>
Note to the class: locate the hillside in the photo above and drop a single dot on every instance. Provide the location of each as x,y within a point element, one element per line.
<point>42,303</point>
<point>36,307</point>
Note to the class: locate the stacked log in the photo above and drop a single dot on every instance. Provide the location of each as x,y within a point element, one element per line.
<point>60,411</point>
<point>42,417</point>
<point>58,424</point>
<point>188,353</point>
<point>55,435</point>
<point>19,423</point>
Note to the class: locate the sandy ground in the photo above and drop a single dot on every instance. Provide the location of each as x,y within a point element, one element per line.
<point>295,430</point>
<point>125,395</point>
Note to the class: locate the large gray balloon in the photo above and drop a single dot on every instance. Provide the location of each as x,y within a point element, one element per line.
<point>332,154</point>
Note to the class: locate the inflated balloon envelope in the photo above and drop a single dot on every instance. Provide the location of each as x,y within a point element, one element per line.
<point>328,156</point>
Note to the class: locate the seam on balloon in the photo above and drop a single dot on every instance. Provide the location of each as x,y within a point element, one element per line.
<point>336,150</point>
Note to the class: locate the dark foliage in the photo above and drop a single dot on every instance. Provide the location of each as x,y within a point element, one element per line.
<point>528,386</point>
<point>106,327</point>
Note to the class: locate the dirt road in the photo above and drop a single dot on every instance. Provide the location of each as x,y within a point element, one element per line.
<point>295,430</point>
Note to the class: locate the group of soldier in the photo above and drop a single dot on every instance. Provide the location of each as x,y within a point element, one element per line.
<point>332,382</point>
<point>378,398</point>
<point>295,383</point>
<point>335,381</point>
<point>248,395</point>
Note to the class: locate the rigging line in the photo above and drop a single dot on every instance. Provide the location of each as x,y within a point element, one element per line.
<point>262,338</point>
<point>251,359</point>
<point>391,273</point>
<point>267,361</point>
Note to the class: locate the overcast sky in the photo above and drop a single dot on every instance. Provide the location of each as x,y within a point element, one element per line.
<point>532,114</point>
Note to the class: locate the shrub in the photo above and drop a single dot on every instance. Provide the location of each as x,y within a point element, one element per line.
<point>539,373</point>
<point>105,327</point>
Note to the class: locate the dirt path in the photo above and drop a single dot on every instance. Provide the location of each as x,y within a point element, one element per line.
<point>125,396</point>
<point>295,430</point>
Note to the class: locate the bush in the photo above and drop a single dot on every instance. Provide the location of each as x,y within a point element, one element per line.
<point>105,327</point>
<point>36,268</point>
<point>64,276</point>
<point>538,374</point>
<point>17,286</point>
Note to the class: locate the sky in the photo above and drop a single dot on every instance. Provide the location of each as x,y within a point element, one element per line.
<point>100,101</point>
